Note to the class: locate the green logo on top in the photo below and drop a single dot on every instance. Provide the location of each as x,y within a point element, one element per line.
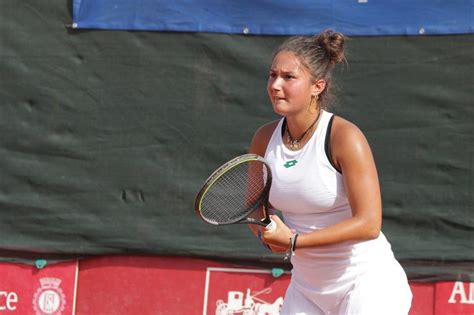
<point>291,163</point>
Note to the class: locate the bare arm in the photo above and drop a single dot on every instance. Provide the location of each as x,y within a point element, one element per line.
<point>259,146</point>
<point>352,155</point>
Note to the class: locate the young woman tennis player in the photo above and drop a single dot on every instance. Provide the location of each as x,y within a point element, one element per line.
<point>325,183</point>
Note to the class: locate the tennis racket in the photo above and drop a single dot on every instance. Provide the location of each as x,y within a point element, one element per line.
<point>237,192</point>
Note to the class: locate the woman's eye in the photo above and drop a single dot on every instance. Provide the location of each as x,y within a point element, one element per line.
<point>289,77</point>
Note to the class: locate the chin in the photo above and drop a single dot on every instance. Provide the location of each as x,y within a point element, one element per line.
<point>281,110</point>
<point>278,111</point>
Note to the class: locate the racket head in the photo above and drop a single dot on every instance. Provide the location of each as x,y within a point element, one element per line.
<point>234,191</point>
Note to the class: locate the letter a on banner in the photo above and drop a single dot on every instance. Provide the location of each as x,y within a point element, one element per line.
<point>458,289</point>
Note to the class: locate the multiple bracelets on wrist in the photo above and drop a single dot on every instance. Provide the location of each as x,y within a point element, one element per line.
<point>291,244</point>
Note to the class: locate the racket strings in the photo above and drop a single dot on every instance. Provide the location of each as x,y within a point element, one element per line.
<point>235,193</point>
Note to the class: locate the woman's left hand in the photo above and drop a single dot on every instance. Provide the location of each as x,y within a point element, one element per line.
<point>280,236</point>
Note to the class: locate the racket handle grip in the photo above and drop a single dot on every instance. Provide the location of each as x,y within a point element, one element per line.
<point>271,226</point>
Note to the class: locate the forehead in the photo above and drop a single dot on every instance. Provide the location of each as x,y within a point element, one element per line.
<point>287,61</point>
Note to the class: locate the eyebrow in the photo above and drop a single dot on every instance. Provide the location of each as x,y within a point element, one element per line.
<point>284,72</point>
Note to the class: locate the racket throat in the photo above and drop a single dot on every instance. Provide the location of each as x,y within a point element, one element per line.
<point>262,222</point>
<point>265,221</point>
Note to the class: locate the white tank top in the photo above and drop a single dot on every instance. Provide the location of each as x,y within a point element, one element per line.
<point>306,187</point>
<point>304,181</point>
<point>310,193</point>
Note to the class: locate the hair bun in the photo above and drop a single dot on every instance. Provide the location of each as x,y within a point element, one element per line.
<point>333,43</point>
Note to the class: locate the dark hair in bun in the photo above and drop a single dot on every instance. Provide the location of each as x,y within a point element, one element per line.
<point>319,54</point>
<point>333,43</point>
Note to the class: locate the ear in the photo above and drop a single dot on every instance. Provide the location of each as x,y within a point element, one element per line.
<point>318,86</point>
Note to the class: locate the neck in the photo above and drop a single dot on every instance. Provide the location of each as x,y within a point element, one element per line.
<point>297,126</point>
<point>295,142</point>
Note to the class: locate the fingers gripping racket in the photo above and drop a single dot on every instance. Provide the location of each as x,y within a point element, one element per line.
<point>237,192</point>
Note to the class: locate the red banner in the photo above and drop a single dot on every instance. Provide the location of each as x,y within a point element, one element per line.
<point>25,290</point>
<point>177,285</point>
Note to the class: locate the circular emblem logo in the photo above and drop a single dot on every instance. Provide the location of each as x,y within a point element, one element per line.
<point>49,299</point>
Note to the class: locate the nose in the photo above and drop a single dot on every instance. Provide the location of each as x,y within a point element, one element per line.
<point>275,84</point>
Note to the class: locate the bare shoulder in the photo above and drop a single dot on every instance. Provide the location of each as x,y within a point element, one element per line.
<point>348,143</point>
<point>262,137</point>
<point>344,130</point>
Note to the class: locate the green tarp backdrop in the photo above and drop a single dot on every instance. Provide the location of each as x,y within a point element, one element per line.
<point>106,137</point>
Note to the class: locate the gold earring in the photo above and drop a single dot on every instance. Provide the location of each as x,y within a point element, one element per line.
<point>314,98</point>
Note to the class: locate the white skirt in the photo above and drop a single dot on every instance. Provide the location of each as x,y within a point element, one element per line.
<point>369,282</point>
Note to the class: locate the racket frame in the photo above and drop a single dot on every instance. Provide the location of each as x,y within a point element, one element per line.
<point>223,169</point>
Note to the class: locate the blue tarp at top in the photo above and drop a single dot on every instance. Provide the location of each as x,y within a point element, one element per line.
<point>279,17</point>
